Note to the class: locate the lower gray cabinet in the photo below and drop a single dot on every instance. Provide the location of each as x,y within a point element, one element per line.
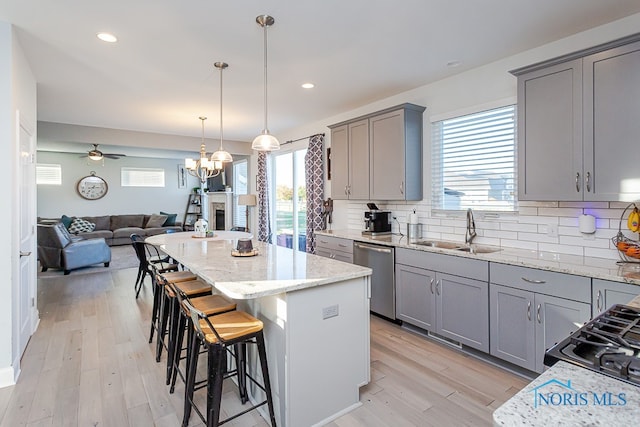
<point>335,248</point>
<point>451,306</point>
<point>606,294</point>
<point>526,322</point>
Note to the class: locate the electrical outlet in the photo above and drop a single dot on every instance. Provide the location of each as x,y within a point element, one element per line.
<point>328,312</point>
<point>552,230</point>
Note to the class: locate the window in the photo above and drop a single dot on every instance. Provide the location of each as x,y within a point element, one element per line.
<point>290,199</point>
<point>240,186</point>
<point>142,177</point>
<point>474,161</point>
<point>48,174</point>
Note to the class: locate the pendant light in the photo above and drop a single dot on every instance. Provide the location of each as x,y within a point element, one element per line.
<point>265,141</point>
<point>220,157</point>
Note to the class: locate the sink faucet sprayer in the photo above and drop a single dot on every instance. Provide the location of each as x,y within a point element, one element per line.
<point>470,234</point>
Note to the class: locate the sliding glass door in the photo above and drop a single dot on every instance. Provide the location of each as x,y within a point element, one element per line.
<point>290,207</point>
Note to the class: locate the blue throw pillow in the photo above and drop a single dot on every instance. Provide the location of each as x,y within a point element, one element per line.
<point>171,219</point>
<point>66,221</point>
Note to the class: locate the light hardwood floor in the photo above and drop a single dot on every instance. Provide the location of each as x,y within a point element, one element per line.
<point>89,364</point>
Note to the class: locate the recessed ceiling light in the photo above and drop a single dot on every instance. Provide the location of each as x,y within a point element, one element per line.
<point>107,37</point>
<point>308,85</point>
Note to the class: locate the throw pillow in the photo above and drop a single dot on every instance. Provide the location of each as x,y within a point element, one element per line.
<point>80,225</point>
<point>66,220</point>
<point>171,219</point>
<point>156,221</point>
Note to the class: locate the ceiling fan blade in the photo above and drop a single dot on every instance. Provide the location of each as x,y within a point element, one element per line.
<point>113,156</point>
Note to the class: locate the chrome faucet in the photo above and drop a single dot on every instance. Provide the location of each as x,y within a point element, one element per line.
<point>470,234</point>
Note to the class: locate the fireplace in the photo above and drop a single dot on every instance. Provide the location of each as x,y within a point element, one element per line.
<point>220,210</point>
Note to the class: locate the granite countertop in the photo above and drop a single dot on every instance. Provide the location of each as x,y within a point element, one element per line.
<point>599,268</point>
<point>273,270</point>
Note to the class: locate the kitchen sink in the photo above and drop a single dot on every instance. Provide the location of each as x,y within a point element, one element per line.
<point>437,244</point>
<point>456,246</point>
<point>477,249</point>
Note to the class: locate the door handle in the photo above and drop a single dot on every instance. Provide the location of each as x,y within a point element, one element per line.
<point>599,301</point>
<point>538,313</point>
<point>431,285</point>
<point>529,310</point>
<point>402,187</point>
<point>578,182</point>
<point>537,282</point>
<point>588,182</point>
<point>24,253</point>
<point>438,288</point>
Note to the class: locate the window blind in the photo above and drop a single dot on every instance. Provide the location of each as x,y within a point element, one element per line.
<point>142,177</point>
<point>240,185</point>
<point>47,174</point>
<point>473,161</point>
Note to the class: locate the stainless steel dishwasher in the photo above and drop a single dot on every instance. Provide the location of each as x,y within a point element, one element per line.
<point>381,259</point>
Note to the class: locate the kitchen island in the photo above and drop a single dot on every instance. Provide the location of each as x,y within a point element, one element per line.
<point>316,321</point>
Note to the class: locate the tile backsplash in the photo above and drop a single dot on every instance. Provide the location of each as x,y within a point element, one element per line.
<point>542,226</point>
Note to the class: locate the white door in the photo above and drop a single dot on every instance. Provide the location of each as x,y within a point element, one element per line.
<point>25,304</point>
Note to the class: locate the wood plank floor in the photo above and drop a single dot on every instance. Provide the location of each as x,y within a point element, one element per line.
<point>89,364</point>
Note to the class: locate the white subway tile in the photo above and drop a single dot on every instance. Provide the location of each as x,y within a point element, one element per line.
<point>580,242</point>
<point>535,237</point>
<point>519,244</point>
<point>538,219</point>
<point>527,211</point>
<point>602,253</point>
<point>567,212</point>
<point>562,249</point>
<point>529,228</point>
<point>501,234</point>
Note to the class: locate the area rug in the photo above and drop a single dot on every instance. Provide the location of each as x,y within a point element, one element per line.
<point>121,257</point>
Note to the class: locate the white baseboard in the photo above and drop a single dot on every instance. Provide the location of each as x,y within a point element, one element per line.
<point>7,377</point>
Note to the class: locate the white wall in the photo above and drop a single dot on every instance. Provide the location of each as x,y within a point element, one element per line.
<point>475,89</point>
<point>53,201</point>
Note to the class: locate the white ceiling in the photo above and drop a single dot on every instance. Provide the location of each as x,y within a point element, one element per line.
<point>160,77</point>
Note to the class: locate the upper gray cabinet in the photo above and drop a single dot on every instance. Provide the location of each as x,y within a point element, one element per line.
<point>388,165</point>
<point>576,126</point>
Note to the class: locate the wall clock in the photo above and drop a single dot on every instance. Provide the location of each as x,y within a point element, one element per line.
<point>92,187</point>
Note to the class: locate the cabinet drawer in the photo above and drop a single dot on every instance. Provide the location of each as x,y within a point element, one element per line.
<point>334,244</point>
<point>561,285</point>
<point>451,264</point>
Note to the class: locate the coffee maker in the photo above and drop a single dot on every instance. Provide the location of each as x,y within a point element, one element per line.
<point>376,222</point>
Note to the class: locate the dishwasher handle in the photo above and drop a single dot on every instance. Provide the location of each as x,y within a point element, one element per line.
<point>372,248</point>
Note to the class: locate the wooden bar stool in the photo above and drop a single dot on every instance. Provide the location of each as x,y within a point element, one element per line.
<point>218,334</point>
<point>171,314</point>
<point>210,305</point>
<point>173,276</point>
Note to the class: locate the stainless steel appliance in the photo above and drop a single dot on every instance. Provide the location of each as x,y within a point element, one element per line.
<point>376,222</point>
<point>381,259</point>
<point>609,344</point>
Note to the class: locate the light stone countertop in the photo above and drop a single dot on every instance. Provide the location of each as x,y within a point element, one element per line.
<point>583,392</point>
<point>273,270</point>
<point>599,268</point>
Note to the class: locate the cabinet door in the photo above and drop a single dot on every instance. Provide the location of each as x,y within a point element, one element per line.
<point>359,160</point>
<point>387,156</point>
<point>606,294</point>
<point>611,125</point>
<point>415,296</point>
<point>550,133</point>
<point>339,163</point>
<point>556,318</point>
<point>462,307</point>
<point>512,330</point>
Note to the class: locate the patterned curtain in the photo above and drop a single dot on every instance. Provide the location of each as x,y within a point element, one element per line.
<point>315,189</point>
<point>264,220</point>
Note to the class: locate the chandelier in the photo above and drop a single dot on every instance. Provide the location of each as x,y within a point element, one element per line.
<point>203,168</point>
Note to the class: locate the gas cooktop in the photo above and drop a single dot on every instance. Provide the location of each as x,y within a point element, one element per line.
<point>610,344</point>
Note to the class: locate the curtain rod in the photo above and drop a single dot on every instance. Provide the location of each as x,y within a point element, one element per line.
<point>300,139</point>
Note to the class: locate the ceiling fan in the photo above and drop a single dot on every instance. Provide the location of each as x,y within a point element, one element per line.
<point>96,154</point>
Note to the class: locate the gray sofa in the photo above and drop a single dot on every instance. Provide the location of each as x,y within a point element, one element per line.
<point>117,229</point>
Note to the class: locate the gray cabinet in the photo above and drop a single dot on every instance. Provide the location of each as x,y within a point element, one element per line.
<point>378,156</point>
<point>335,248</point>
<point>531,310</point>
<point>606,293</point>
<point>575,125</point>
<point>396,154</point>
<point>430,297</point>
<point>350,161</point>
<point>611,125</point>
<point>550,133</point>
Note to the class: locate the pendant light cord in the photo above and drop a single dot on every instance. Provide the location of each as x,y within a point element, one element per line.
<point>221,137</point>
<point>266,130</point>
